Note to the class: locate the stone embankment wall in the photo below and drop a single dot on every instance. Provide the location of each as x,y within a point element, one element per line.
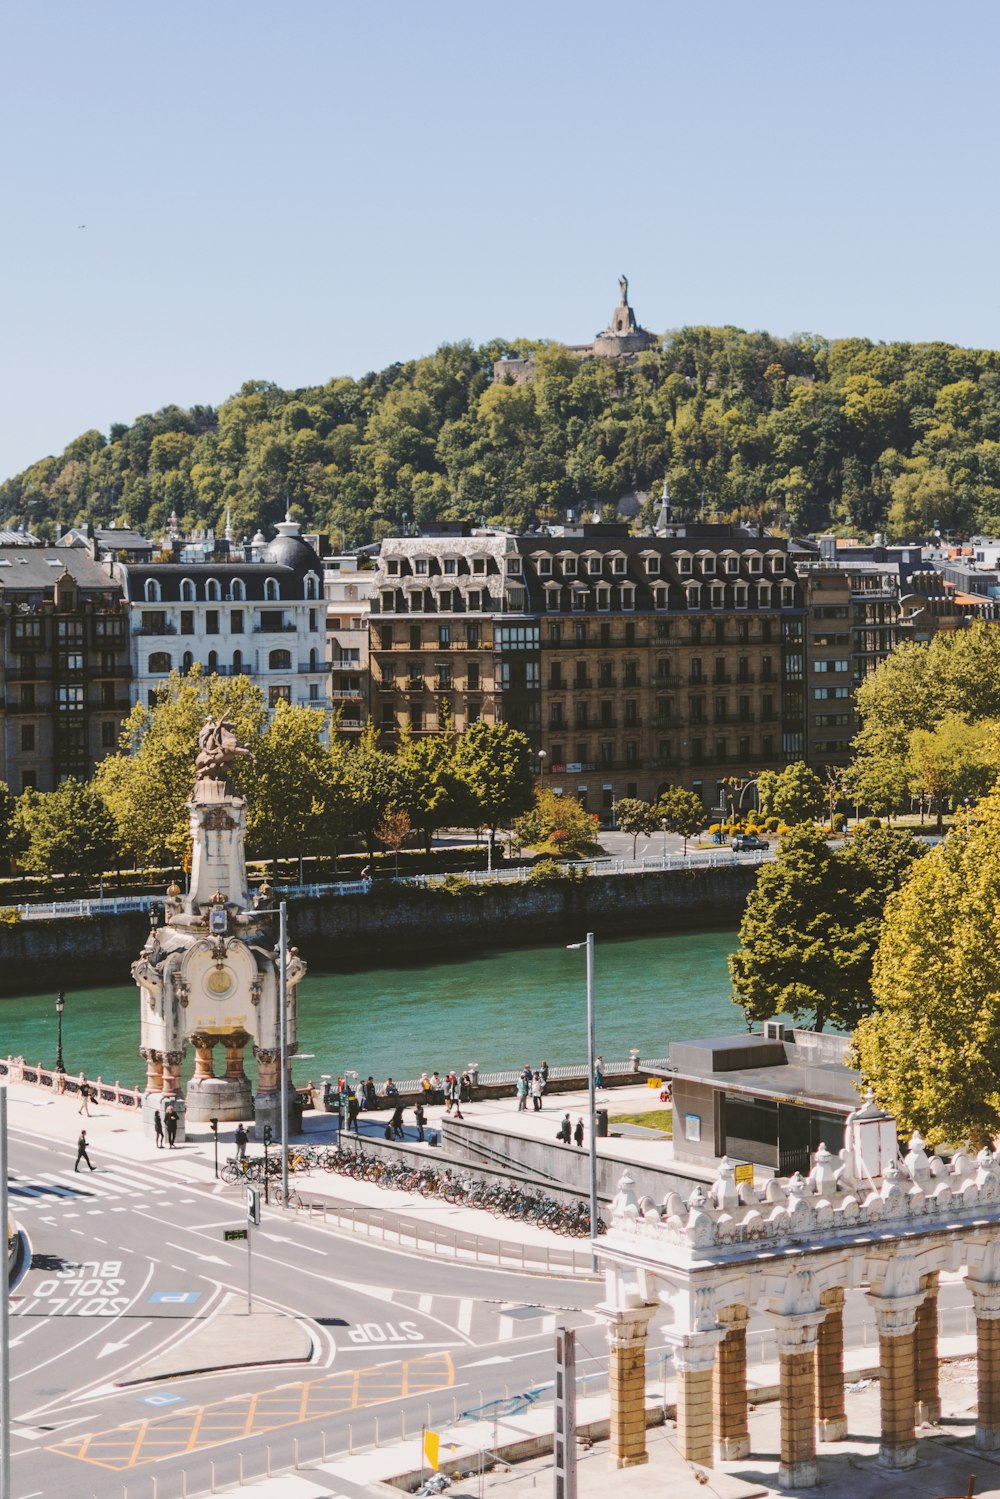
<point>405,921</point>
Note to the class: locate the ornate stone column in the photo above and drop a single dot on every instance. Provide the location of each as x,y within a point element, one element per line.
<point>203,1045</point>
<point>627,1383</point>
<point>694,1362</point>
<point>268,1068</point>
<point>172,1072</point>
<point>732,1439</point>
<point>831,1411</point>
<point>154,1069</point>
<point>986,1297</point>
<point>796,1333</point>
<point>896,1317</point>
<point>928,1401</point>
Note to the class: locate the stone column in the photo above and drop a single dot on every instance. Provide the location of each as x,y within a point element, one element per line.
<point>796,1334</point>
<point>928,1404</point>
<point>896,1317</point>
<point>154,1069</point>
<point>203,1067</point>
<point>986,1296</point>
<point>694,1361</point>
<point>627,1383</point>
<point>172,1072</point>
<point>732,1432</point>
<point>831,1411</point>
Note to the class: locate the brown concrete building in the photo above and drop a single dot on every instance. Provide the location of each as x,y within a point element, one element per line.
<point>64,665</point>
<point>631,662</point>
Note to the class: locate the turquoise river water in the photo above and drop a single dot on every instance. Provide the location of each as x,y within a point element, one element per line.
<point>500,1009</point>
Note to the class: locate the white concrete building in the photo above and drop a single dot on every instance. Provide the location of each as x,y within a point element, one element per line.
<point>257,612</point>
<point>348,584</point>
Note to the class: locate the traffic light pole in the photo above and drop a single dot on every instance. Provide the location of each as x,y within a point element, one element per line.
<point>214,1126</point>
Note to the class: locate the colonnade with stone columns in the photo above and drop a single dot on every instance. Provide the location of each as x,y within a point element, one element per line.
<point>708,1341</point>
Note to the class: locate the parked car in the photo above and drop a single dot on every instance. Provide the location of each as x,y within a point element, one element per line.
<point>749,843</point>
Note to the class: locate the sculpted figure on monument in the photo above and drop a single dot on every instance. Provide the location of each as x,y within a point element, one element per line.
<point>217,749</point>
<point>623,283</point>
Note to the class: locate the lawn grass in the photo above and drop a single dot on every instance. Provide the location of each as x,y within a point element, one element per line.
<point>661,1119</point>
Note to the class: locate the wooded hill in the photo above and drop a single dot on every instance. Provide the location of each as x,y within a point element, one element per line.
<point>801,433</point>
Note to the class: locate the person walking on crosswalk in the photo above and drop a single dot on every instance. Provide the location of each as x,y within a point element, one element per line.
<point>81,1152</point>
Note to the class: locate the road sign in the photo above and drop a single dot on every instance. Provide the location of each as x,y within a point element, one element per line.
<point>232,1234</point>
<point>743,1173</point>
<point>253,1206</point>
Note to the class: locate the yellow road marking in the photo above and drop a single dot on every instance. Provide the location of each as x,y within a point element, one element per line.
<point>148,1441</point>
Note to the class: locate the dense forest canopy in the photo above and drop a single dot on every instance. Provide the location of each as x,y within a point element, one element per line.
<point>797,432</point>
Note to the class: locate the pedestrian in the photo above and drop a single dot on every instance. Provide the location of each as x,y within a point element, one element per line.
<point>158,1129</point>
<point>396,1122</point>
<point>84,1099</point>
<point>454,1095</point>
<point>537,1089</point>
<point>565,1130</point>
<point>577,1133</point>
<point>599,1073</point>
<point>241,1143</point>
<point>371,1097</point>
<point>170,1120</point>
<point>420,1116</point>
<point>389,1088</point>
<point>466,1093</point>
<point>81,1151</point>
<point>425,1087</point>
<point>544,1070</point>
<point>437,1087</point>
<point>353,1110</point>
<point>521,1088</point>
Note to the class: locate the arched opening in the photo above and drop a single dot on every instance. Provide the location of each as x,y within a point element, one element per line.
<point>159,663</point>
<point>280,660</point>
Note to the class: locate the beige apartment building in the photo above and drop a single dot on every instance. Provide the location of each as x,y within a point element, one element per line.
<point>631,662</point>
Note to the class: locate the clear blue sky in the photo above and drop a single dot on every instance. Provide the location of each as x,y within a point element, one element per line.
<point>300,190</point>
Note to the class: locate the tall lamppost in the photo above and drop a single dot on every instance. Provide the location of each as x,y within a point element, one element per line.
<point>588,945</point>
<point>541,763</point>
<point>60,1006</point>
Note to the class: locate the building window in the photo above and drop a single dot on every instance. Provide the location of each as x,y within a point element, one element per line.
<point>213,591</point>
<point>388,715</point>
<point>444,636</point>
<point>237,663</point>
<point>187,621</point>
<point>152,591</point>
<point>187,591</point>
<point>276,695</point>
<point>631,712</point>
<point>385,638</point>
<point>28,780</point>
<point>237,591</point>
<point>472,677</point>
<point>631,752</point>
<point>607,714</point>
<point>604,598</point>
<point>70,698</point>
<point>272,590</point>
<point>27,737</point>
<point>628,596</point>
<point>159,663</point>
<point>580,715</point>
<point>652,566</point>
<point>312,586</point>
<point>414,637</point>
<point>236,622</point>
<point>605,676</point>
<point>279,661</point>
<point>569,567</point>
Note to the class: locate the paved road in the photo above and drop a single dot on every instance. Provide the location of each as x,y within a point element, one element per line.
<point>130,1262</point>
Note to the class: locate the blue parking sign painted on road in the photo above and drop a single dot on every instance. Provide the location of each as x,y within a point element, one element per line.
<point>180,1298</point>
<point>162,1397</point>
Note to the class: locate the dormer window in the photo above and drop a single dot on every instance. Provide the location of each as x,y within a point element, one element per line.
<point>653,566</point>
<point>604,597</point>
<point>544,567</point>
<point>237,590</point>
<point>756,562</point>
<point>618,565</point>
<point>552,599</point>
<point>778,565</point>
<point>479,565</point>
<point>213,591</point>
<point>392,567</point>
<point>593,565</point>
<point>514,567</point>
<point>152,591</point>
<point>388,600</point>
<point>312,586</point>
<point>718,596</point>
<point>683,563</point>
<point>707,566</point>
<point>741,595</point>
<point>569,567</point>
<point>693,596</point>
<point>272,592</point>
<point>660,597</point>
<point>732,564</point>
<point>763,595</point>
<point>451,566</point>
<point>187,591</point>
<point>420,566</point>
<point>628,595</point>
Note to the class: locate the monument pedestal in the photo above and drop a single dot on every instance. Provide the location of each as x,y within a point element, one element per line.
<point>267,1110</point>
<point>227,1099</point>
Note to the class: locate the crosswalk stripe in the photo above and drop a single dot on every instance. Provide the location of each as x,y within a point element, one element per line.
<point>465,1308</point>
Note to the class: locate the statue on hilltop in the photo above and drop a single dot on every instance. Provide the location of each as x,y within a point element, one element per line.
<point>623,283</point>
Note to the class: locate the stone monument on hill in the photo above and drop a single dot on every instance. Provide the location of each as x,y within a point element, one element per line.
<point>210,974</point>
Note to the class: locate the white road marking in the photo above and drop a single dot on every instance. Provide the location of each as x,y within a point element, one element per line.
<point>425,1303</point>
<point>465,1314</point>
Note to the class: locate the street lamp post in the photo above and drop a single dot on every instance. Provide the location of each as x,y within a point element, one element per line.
<point>588,945</point>
<point>663,825</point>
<point>541,763</point>
<point>60,1006</point>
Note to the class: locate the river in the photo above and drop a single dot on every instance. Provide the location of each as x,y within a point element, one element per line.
<point>500,1009</point>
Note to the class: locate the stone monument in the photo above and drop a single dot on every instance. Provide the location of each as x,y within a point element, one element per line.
<point>210,974</point>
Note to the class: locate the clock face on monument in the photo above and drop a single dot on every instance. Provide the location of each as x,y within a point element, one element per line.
<point>220,983</point>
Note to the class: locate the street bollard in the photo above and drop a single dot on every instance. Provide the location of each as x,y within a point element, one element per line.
<point>268,1452</point>
<point>322,1445</point>
<point>402,1426</point>
<point>211,1467</point>
<point>350,1440</point>
<point>376,1431</point>
<point>295,1452</point>
<point>241,1470</point>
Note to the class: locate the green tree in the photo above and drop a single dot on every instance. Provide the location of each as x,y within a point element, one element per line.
<point>68,831</point>
<point>393,831</point>
<point>8,809</point>
<point>374,786</point>
<point>953,761</point>
<point>147,784</point>
<point>296,788</point>
<point>493,768</point>
<point>635,816</point>
<point>682,811</point>
<point>931,1047</point>
<point>430,792</point>
<point>798,795</point>
<point>557,825</point>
